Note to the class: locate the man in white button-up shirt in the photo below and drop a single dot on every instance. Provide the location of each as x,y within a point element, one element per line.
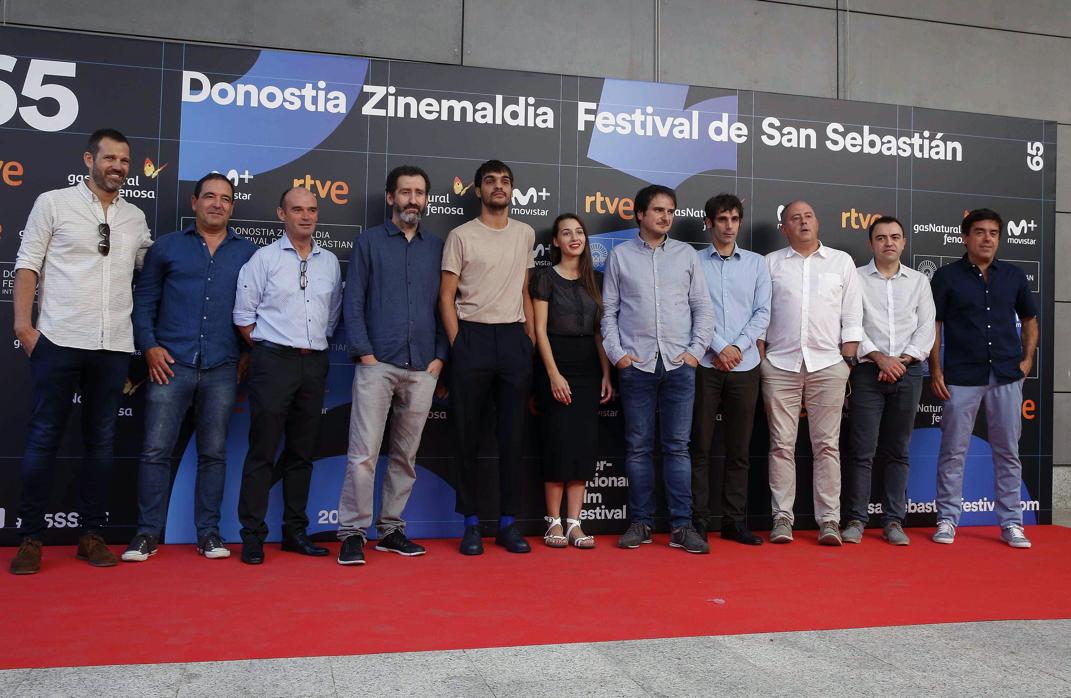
<point>815,327</point>
<point>80,249</point>
<point>898,331</point>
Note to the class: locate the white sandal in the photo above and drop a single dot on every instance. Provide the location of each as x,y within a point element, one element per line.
<point>583,542</point>
<point>554,540</point>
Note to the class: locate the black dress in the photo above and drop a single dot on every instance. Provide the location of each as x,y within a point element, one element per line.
<point>570,432</point>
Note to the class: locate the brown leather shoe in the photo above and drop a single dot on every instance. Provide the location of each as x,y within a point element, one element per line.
<point>91,547</point>
<point>28,559</point>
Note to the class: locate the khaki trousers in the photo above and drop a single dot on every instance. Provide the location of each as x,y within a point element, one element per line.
<point>822,393</point>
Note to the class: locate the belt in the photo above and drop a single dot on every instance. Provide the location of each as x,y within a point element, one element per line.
<point>283,347</point>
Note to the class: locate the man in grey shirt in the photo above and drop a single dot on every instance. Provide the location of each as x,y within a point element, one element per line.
<point>657,323</point>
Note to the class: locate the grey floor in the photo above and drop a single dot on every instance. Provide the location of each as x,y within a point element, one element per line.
<point>1011,658</point>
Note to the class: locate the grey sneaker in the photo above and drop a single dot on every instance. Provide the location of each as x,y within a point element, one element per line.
<point>637,533</point>
<point>829,534</point>
<point>894,533</point>
<point>1014,536</point>
<point>853,532</point>
<point>688,538</point>
<point>945,533</point>
<point>781,531</point>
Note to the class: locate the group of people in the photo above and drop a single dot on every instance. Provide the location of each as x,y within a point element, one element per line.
<point>693,334</point>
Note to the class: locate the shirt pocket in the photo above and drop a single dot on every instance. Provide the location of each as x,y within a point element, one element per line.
<point>830,286</point>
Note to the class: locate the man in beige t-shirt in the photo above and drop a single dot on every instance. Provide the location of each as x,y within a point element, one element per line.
<point>487,313</point>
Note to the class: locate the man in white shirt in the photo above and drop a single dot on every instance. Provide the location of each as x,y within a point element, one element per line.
<point>815,327</point>
<point>80,249</point>
<point>898,331</point>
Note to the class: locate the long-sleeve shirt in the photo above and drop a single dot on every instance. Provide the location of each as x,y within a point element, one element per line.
<point>816,306</point>
<point>85,297</point>
<point>655,302</point>
<point>898,313</point>
<point>392,295</point>
<point>184,300</point>
<point>739,289</point>
<point>270,295</point>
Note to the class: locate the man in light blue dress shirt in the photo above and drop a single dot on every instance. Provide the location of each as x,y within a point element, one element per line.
<point>288,303</point>
<point>657,323</point>
<point>727,379</point>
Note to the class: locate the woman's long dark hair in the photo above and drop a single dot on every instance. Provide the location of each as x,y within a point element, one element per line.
<point>587,267</point>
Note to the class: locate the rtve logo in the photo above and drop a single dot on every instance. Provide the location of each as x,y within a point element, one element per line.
<point>598,202</point>
<point>11,173</point>
<point>857,220</point>
<point>337,192</point>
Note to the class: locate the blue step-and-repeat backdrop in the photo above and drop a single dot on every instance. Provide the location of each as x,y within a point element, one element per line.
<point>337,124</point>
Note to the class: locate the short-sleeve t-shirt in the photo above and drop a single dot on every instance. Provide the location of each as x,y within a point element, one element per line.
<point>490,265</point>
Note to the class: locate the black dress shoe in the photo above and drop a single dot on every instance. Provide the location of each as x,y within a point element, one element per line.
<point>470,542</point>
<point>252,552</point>
<point>302,545</point>
<point>512,540</point>
<point>740,534</point>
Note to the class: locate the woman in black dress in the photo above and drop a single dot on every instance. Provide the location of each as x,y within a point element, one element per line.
<point>567,305</point>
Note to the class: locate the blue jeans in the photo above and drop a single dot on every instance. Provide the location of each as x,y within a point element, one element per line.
<point>58,373</point>
<point>669,394</point>
<point>881,420</point>
<point>1003,404</point>
<point>212,393</point>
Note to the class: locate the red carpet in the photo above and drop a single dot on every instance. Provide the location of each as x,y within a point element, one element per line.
<point>178,607</point>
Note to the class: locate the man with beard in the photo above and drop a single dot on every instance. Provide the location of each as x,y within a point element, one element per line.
<point>194,359</point>
<point>487,314</point>
<point>82,244</point>
<point>394,334</point>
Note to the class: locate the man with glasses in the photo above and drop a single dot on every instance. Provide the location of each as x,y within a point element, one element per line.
<point>79,250</point>
<point>288,302</point>
<point>182,323</point>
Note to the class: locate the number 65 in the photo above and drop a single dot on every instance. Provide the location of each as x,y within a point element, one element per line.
<point>36,89</point>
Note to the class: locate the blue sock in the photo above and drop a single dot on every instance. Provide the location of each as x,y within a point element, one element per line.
<point>505,522</point>
<point>472,520</point>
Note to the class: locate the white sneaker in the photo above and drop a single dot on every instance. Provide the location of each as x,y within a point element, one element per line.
<point>946,532</point>
<point>1013,535</point>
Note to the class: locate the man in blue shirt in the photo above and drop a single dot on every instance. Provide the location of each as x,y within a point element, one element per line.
<point>657,323</point>
<point>727,378</point>
<point>391,309</point>
<point>978,300</point>
<point>289,301</point>
<point>182,323</point>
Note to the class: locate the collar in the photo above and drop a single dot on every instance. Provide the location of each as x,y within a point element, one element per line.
<point>872,269</point>
<point>284,242</point>
<point>643,243</point>
<point>191,229</point>
<point>395,230</point>
<point>713,252</point>
<point>821,252</point>
<point>88,195</point>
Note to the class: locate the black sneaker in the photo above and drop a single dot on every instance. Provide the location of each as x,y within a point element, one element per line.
<point>211,546</point>
<point>636,534</point>
<point>352,551</point>
<point>396,542</point>
<point>140,549</point>
<point>686,538</point>
<point>700,527</point>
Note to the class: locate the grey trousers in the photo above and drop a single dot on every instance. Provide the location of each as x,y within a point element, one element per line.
<point>378,390</point>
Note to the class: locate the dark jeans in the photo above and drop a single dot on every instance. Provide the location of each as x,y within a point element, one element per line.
<point>286,396</point>
<point>212,393</point>
<point>881,418</point>
<point>735,394</point>
<point>669,394</point>
<point>58,373</point>
<point>489,360</point>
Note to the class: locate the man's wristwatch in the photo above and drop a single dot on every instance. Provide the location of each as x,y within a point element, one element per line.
<point>852,361</point>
